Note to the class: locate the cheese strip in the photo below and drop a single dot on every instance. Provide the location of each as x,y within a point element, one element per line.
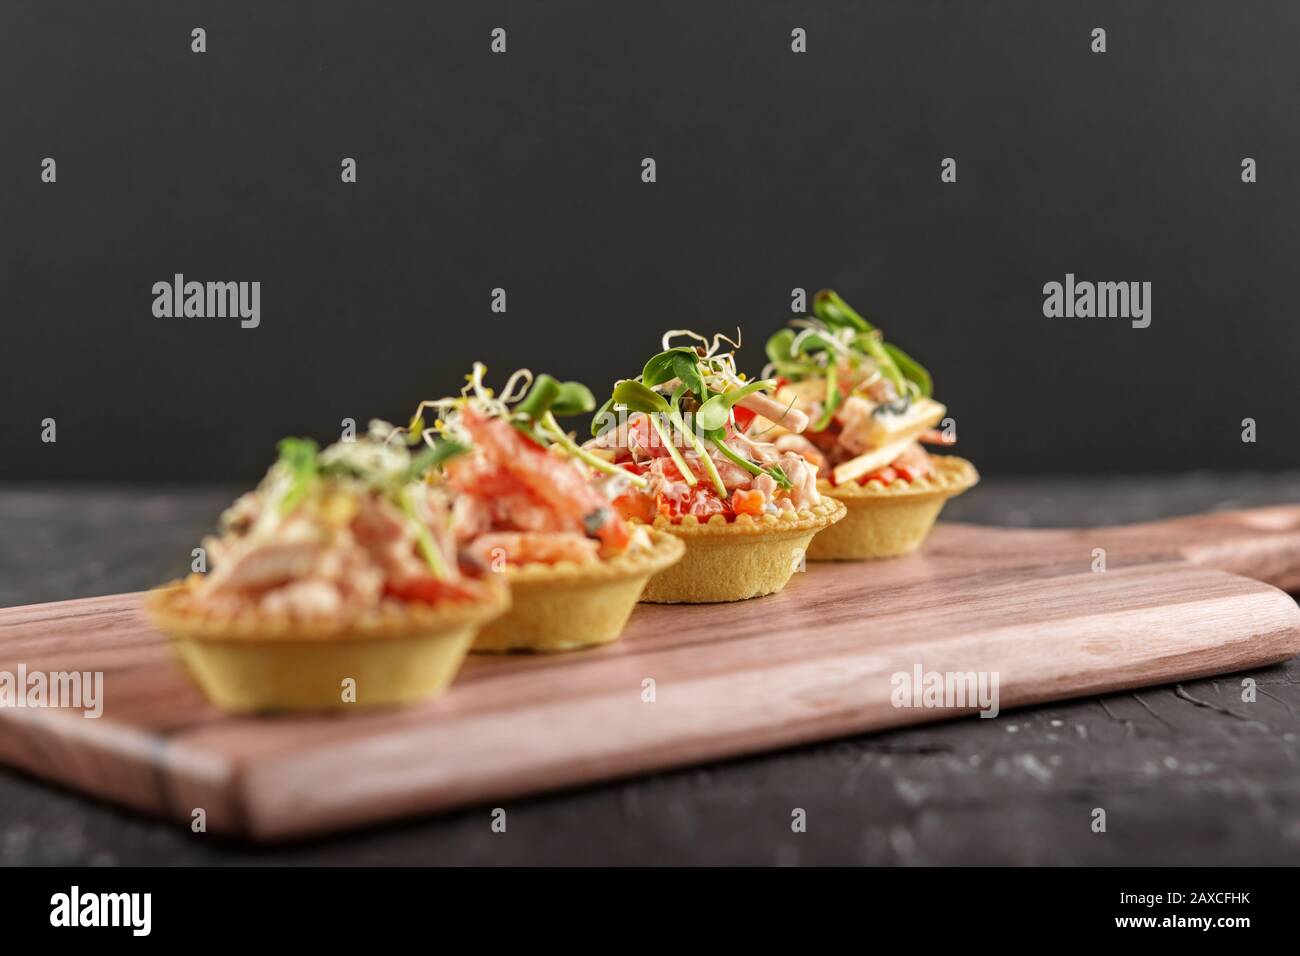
<point>891,439</point>
<point>922,415</point>
<point>874,460</point>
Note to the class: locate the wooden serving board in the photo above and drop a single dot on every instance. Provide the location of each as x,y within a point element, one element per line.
<point>1178,599</point>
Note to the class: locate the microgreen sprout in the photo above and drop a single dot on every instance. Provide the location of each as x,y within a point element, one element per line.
<point>716,411</point>
<point>298,464</point>
<point>702,378</point>
<point>836,336</point>
<point>428,548</point>
<point>636,397</point>
<point>529,403</point>
<point>373,462</point>
<point>434,456</point>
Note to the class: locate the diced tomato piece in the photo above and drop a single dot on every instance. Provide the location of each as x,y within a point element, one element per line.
<point>912,472</point>
<point>428,590</point>
<point>671,507</point>
<point>885,475</point>
<point>670,470</point>
<point>912,464</point>
<point>700,502</point>
<point>633,504</point>
<point>747,502</point>
<point>743,417</point>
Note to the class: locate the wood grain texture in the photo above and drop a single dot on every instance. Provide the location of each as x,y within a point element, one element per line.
<point>811,663</point>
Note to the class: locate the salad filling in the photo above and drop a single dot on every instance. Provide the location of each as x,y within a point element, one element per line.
<point>333,533</point>
<point>520,490</point>
<point>868,401</point>
<point>690,433</point>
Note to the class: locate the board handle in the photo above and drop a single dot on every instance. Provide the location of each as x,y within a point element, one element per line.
<point>1259,543</point>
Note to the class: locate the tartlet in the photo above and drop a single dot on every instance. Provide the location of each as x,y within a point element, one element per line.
<point>735,560</point>
<point>567,606</point>
<point>871,410</point>
<point>885,521</point>
<point>530,507</point>
<point>331,586</point>
<point>696,470</point>
<point>253,663</point>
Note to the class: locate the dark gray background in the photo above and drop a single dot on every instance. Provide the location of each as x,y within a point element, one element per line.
<point>523,171</point>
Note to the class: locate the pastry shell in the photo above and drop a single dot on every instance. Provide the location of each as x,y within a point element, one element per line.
<point>565,606</point>
<point>885,521</point>
<point>254,662</point>
<point>734,560</point>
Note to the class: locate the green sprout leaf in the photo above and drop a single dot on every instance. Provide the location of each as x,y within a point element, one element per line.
<point>681,363</point>
<point>908,377</point>
<point>549,395</point>
<point>675,416</point>
<point>832,403</point>
<point>298,459</point>
<point>686,366</point>
<point>638,398</point>
<point>813,342</point>
<point>540,398</point>
<point>838,314</point>
<point>664,366</point>
<point>873,345</point>
<point>780,347</point>
<point>435,456</point>
<point>714,413</point>
<point>574,399</point>
<point>780,352</point>
<point>912,370</point>
<point>600,417</point>
<point>666,436</point>
<point>557,434</point>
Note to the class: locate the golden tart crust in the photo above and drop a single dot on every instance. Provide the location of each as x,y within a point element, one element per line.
<point>251,662</point>
<point>566,606</point>
<point>739,559</point>
<point>890,520</point>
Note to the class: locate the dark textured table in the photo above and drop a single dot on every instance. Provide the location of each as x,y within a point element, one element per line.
<point>1186,773</point>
